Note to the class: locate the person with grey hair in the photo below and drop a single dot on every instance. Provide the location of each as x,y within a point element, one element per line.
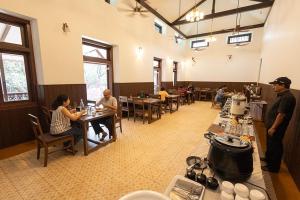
<point>108,102</point>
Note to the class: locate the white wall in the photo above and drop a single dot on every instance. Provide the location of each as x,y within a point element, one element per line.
<point>213,64</point>
<point>59,54</point>
<point>281,43</point>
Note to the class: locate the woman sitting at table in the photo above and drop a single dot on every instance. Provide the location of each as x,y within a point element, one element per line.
<point>61,116</point>
<point>219,98</point>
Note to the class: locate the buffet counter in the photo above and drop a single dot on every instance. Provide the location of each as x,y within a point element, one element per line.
<point>256,177</point>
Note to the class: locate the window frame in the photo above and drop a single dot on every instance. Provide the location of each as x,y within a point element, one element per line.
<point>196,41</point>
<point>108,61</point>
<point>239,35</point>
<point>159,69</point>
<point>157,25</point>
<point>26,50</point>
<point>175,70</point>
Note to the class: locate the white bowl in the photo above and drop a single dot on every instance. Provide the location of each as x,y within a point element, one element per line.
<point>241,190</point>
<point>257,195</point>
<point>144,195</point>
<point>227,187</point>
<point>226,196</point>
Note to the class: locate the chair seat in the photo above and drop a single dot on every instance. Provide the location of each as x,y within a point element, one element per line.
<point>48,138</point>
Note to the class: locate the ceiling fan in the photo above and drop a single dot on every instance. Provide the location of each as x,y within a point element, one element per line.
<point>133,9</point>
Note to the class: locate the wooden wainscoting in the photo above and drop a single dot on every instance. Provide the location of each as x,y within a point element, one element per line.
<point>167,85</point>
<point>292,135</point>
<point>238,86</point>
<point>48,93</point>
<point>127,89</point>
<point>15,126</point>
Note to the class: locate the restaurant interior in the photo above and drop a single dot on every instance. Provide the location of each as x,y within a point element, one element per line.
<point>147,99</point>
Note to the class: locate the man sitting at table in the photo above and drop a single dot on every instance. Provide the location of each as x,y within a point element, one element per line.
<point>108,102</point>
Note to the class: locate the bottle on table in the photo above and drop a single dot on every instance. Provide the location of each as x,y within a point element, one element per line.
<point>81,105</point>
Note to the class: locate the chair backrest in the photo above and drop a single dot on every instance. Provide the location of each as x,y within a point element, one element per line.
<point>91,103</point>
<point>36,126</point>
<point>119,110</point>
<point>138,103</point>
<point>47,114</point>
<point>124,101</point>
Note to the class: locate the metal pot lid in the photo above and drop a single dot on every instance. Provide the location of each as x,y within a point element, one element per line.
<point>231,141</point>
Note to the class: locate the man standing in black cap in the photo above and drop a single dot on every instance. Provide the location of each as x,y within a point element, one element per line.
<point>277,121</point>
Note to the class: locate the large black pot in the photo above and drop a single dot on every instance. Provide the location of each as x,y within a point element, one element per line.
<point>230,158</point>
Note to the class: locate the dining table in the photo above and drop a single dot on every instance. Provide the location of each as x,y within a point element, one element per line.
<point>86,119</point>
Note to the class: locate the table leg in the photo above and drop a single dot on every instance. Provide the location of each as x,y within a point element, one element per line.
<point>114,135</point>
<point>170,104</point>
<point>177,103</point>
<point>85,141</point>
<point>149,113</point>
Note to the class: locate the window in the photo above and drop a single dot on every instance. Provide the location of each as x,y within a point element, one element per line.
<point>98,68</point>
<point>241,38</point>
<point>17,72</point>
<point>199,44</point>
<point>175,64</point>
<point>158,27</point>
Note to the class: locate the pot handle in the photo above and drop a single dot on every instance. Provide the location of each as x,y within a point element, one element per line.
<point>209,136</point>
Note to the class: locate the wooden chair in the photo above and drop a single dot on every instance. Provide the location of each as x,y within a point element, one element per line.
<point>182,98</point>
<point>47,116</point>
<point>139,108</point>
<point>45,139</point>
<point>125,105</point>
<point>156,108</point>
<point>118,117</point>
<point>203,95</point>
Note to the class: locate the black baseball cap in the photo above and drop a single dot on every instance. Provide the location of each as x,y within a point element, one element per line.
<point>282,80</point>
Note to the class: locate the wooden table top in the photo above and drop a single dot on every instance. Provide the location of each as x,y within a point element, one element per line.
<point>99,114</point>
<point>147,100</point>
<point>173,96</point>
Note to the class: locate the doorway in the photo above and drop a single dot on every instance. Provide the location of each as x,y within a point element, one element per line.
<point>157,74</point>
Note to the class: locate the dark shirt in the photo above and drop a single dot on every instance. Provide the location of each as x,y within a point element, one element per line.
<point>284,103</point>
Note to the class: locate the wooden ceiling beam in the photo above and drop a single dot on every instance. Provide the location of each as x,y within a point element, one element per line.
<point>195,6</point>
<point>230,12</point>
<point>225,31</point>
<point>261,0</point>
<point>154,12</point>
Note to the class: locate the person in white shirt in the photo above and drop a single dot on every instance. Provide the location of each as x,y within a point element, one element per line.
<point>108,102</point>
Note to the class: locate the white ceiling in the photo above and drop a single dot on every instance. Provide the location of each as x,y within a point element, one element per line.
<point>171,10</point>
